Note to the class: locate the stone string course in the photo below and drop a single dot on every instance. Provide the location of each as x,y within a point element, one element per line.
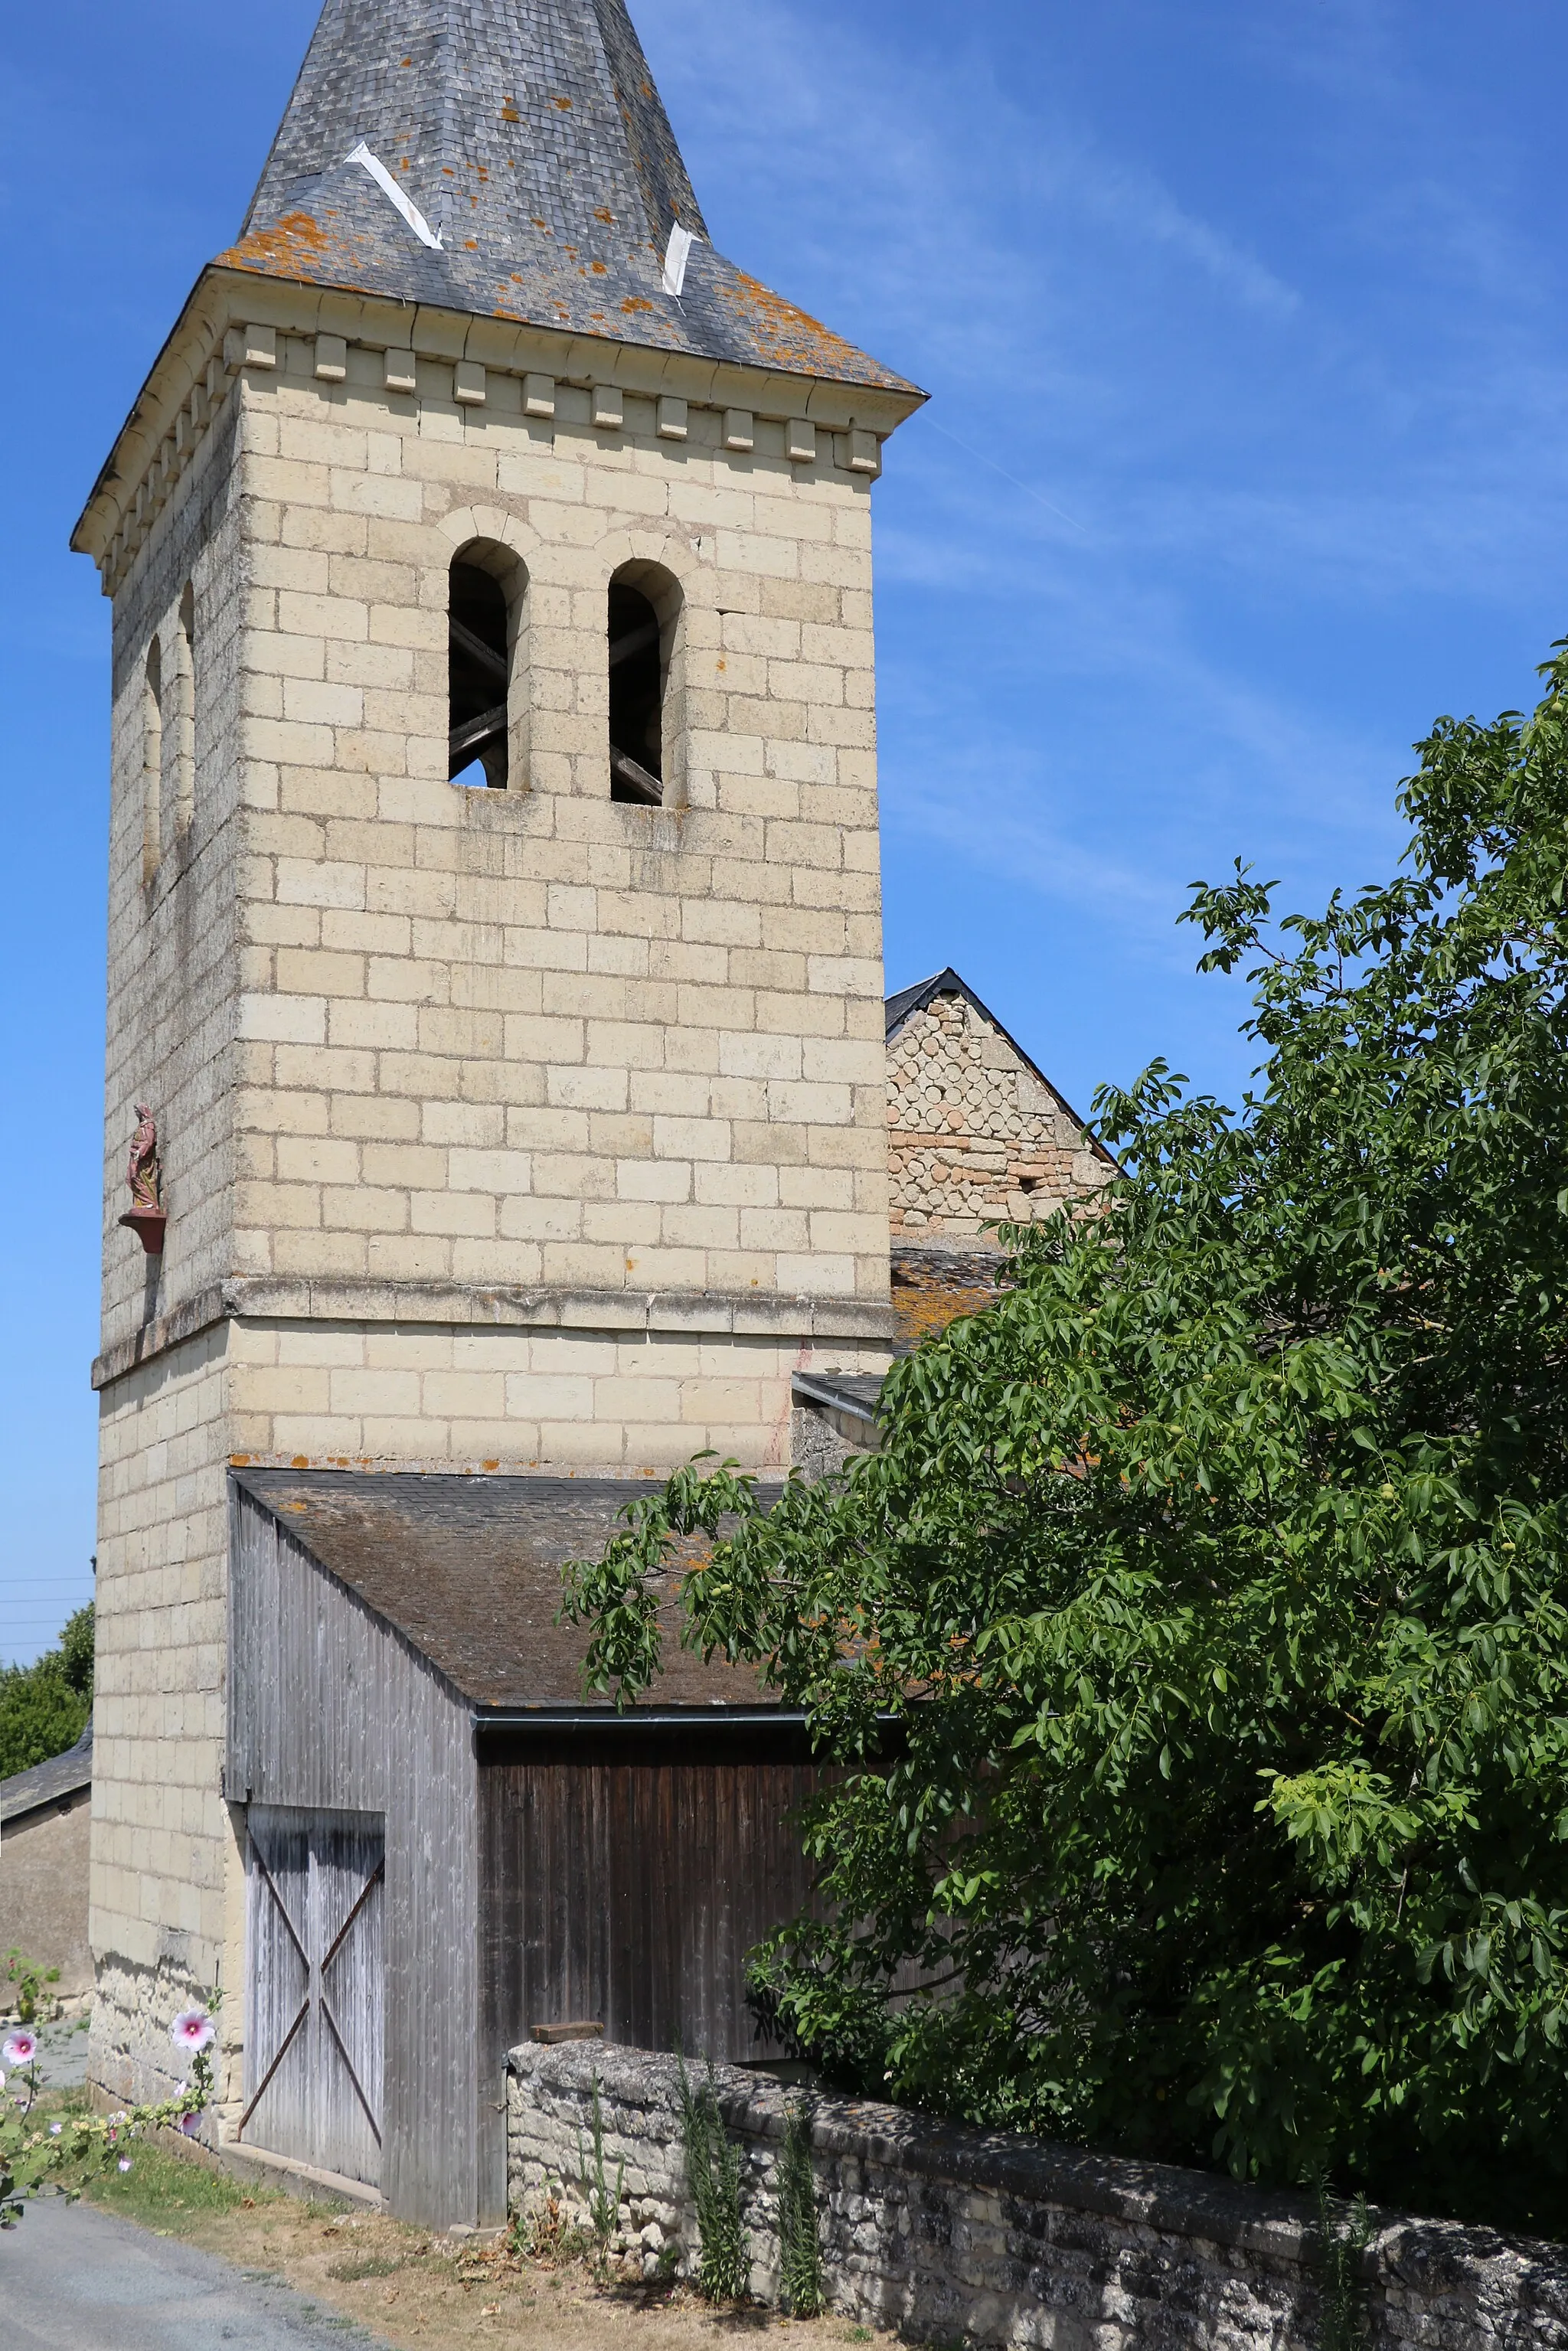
<point>986,2238</point>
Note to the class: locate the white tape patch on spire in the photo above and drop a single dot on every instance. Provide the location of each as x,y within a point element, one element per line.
<point>677,252</point>
<point>389,189</point>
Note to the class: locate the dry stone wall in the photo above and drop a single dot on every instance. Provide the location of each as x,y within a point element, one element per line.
<point>986,2238</point>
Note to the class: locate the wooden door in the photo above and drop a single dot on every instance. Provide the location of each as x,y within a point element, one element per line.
<point>314,1993</point>
<point>627,1875</point>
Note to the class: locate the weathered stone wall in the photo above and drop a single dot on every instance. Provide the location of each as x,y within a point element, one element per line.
<point>174,971</point>
<point>166,1880</point>
<point>991,2239</point>
<point>974,1135</point>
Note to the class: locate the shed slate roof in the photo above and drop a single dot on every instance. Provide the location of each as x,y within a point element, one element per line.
<point>48,1783</point>
<point>529,135</point>
<point>468,1568</point>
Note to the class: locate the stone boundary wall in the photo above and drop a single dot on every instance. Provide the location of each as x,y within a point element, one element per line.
<point>985,2238</point>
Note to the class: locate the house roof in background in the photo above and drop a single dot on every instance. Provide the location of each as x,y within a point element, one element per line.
<point>48,1783</point>
<point>468,1569</point>
<point>530,137</point>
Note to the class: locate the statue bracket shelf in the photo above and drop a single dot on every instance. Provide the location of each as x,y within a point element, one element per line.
<point>148,1225</point>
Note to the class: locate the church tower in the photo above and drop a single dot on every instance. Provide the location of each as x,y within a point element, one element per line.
<point>494,926</point>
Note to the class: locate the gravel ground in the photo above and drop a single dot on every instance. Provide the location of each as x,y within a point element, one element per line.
<point>75,2278</point>
<point>62,2054</point>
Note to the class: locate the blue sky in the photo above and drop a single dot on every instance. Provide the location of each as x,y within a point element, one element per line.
<point>1248,454</point>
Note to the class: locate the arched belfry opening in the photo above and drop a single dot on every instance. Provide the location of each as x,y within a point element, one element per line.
<point>152,762</point>
<point>644,605</point>
<point>483,635</point>
<point>185,715</point>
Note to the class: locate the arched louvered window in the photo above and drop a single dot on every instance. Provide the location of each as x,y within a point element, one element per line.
<point>487,707</point>
<point>152,762</point>
<point>644,607</point>
<point>185,716</point>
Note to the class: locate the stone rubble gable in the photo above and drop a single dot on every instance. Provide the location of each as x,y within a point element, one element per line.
<point>974,1133</point>
<point>950,2234</point>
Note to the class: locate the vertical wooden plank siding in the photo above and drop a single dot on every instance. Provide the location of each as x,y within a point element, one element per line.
<point>314,2014</point>
<point>625,1876</point>
<point>331,1708</point>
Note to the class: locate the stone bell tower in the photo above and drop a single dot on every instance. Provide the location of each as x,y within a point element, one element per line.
<point>495,927</point>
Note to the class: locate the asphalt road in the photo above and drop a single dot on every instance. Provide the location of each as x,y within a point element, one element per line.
<point>74,2279</point>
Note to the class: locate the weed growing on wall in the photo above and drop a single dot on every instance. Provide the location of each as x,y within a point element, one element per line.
<point>712,2177</point>
<point>546,2233</point>
<point>799,2244</point>
<point>1344,2231</point>
<point>603,2201</point>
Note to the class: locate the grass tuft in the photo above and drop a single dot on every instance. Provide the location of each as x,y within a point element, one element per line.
<point>160,2187</point>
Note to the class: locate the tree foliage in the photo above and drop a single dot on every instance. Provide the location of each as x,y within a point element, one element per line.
<point>1198,1642</point>
<point>44,1707</point>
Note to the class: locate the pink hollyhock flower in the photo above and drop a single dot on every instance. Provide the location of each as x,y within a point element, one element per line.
<point>188,2125</point>
<point>55,2129</point>
<point>20,2047</point>
<point>193,2029</point>
<point>125,2163</point>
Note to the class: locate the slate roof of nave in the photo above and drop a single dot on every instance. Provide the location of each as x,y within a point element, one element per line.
<point>529,135</point>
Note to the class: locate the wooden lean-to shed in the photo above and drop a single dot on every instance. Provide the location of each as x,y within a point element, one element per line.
<point>447,1847</point>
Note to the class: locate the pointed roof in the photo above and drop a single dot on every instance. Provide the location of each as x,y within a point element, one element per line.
<point>528,136</point>
<point>905,1002</point>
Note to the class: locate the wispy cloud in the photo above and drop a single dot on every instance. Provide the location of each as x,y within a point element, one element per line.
<point>1134,203</point>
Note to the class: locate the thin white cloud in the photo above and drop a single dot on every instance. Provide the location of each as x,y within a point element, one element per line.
<point>1143,419</point>
<point>1134,203</point>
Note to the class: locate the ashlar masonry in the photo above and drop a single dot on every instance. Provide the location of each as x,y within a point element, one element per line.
<point>525,1129</point>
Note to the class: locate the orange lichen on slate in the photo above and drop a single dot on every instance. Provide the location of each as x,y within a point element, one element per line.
<point>298,239</point>
<point>798,335</point>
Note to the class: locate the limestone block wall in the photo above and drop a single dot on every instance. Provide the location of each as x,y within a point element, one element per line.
<point>974,1135</point>
<point>163,1917</point>
<point>986,2238</point>
<point>173,970</point>
<point>615,1400</point>
<point>534,1036</point>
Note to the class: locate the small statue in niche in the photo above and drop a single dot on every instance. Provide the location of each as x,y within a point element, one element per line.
<point>143,1173</point>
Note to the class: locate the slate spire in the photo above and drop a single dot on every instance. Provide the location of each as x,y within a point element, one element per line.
<point>529,138</point>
